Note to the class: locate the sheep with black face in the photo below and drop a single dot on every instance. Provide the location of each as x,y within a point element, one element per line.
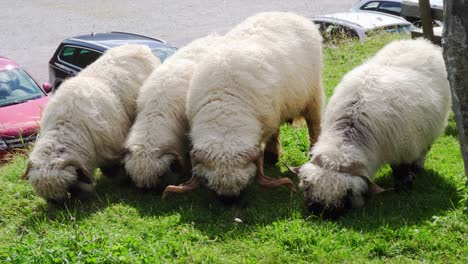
<point>388,110</point>
<point>266,71</point>
<point>85,124</point>
<point>157,147</point>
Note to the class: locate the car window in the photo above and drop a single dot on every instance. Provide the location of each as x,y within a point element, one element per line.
<point>370,6</point>
<point>67,54</point>
<point>85,57</point>
<point>390,8</point>
<point>16,86</point>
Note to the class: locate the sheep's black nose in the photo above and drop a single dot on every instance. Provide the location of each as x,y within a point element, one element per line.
<point>329,212</point>
<point>229,199</point>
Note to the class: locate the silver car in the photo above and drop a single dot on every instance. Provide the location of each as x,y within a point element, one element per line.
<point>359,24</point>
<point>392,7</point>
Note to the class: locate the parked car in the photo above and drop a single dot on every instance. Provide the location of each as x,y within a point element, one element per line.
<point>396,7</point>
<point>21,103</point>
<point>75,53</point>
<point>392,7</point>
<point>359,24</point>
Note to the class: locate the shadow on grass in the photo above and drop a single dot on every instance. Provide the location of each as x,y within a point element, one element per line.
<point>257,207</point>
<point>431,195</point>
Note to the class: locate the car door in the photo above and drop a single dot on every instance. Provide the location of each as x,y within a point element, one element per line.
<point>66,61</point>
<point>70,61</point>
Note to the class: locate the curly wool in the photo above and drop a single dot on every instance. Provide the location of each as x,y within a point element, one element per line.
<point>390,110</point>
<point>85,123</point>
<point>158,138</point>
<point>266,71</point>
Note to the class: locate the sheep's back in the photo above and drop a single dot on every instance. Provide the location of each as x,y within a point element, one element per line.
<point>100,102</point>
<point>161,103</point>
<point>399,111</point>
<point>270,64</point>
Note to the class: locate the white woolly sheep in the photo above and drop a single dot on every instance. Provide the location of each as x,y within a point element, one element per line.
<point>85,124</point>
<point>157,145</point>
<point>266,71</point>
<point>388,110</point>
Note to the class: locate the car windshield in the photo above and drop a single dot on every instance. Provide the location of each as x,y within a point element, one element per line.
<point>16,87</point>
<point>163,52</point>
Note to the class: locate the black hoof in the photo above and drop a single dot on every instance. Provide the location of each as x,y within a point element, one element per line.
<point>405,183</point>
<point>404,176</point>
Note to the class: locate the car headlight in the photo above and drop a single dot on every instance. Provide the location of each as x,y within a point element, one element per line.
<point>3,144</point>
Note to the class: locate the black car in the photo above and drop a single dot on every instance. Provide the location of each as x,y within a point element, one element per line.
<point>74,54</point>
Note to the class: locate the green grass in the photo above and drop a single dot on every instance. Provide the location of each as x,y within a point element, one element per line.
<point>126,225</point>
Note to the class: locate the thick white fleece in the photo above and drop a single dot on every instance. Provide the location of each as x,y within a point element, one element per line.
<point>158,138</point>
<point>267,71</point>
<point>85,124</point>
<point>388,110</point>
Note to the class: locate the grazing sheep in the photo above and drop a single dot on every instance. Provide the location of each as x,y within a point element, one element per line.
<point>85,124</point>
<point>266,71</point>
<point>388,110</point>
<point>157,145</point>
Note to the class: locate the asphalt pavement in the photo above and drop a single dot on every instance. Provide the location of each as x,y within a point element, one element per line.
<point>30,30</point>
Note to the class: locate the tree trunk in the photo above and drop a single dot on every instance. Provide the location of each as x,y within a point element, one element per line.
<point>426,19</point>
<point>455,46</point>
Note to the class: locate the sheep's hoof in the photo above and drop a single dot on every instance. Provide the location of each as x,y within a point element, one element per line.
<point>404,176</point>
<point>406,183</point>
<point>270,158</point>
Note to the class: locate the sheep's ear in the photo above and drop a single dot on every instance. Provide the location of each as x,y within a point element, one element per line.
<point>25,174</point>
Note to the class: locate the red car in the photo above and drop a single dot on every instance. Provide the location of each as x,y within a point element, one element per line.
<point>21,103</point>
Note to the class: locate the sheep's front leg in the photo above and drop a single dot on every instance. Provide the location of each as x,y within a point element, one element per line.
<point>404,175</point>
<point>272,150</point>
<point>312,116</point>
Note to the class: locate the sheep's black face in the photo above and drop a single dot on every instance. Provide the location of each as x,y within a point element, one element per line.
<point>229,199</point>
<point>331,194</point>
<point>226,179</point>
<point>59,184</point>
<point>330,212</point>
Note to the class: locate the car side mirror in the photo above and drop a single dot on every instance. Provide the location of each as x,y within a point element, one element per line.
<point>47,87</point>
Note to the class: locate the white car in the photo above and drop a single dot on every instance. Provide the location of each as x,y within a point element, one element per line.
<point>359,24</point>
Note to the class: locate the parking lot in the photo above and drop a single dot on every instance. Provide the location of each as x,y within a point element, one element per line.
<point>31,30</point>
